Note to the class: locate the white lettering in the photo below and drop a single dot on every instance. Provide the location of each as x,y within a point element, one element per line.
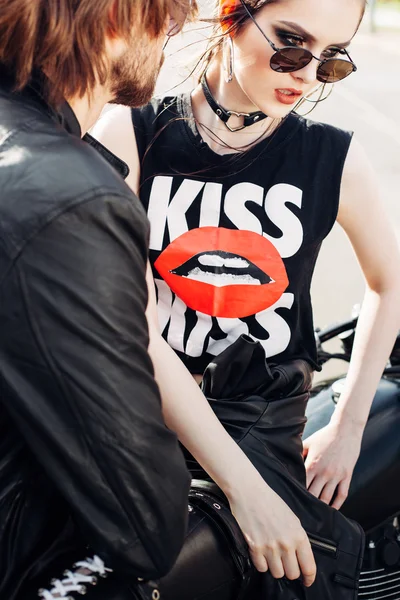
<point>234,328</point>
<point>157,211</point>
<point>235,207</point>
<point>210,210</point>
<point>165,211</point>
<point>177,325</point>
<point>172,312</point>
<point>275,207</point>
<point>164,303</point>
<point>278,329</point>
<point>161,213</point>
<point>197,337</point>
<point>183,199</point>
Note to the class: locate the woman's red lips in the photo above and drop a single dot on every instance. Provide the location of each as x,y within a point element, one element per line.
<point>291,90</point>
<point>287,95</point>
<point>223,272</point>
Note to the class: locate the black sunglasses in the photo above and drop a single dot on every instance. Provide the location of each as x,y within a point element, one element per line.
<point>292,58</point>
<point>178,20</point>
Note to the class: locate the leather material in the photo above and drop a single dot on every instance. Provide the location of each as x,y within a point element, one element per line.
<point>217,508</point>
<point>268,428</point>
<point>214,563</point>
<point>374,494</point>
<point>85,456</point>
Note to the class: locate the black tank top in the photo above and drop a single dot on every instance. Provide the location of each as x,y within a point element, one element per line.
<point>234,238</point>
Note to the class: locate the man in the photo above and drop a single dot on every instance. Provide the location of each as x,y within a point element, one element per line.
<point>91,480</point>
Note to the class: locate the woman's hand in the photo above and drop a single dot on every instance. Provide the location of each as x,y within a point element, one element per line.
<point>331,455</point>
<point>276,539</point>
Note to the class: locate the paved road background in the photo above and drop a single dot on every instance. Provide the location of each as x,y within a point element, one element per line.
<point>367,103</point>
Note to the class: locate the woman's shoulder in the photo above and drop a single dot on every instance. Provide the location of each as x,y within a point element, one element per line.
<point>320,130</point>
<point>159,108</point>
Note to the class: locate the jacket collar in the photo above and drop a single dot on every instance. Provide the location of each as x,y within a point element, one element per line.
<point>67,119</point>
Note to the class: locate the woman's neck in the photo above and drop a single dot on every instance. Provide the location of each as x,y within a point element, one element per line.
<point>231,97</point>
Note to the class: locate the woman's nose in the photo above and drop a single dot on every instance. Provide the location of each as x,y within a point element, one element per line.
<point>307,74</point>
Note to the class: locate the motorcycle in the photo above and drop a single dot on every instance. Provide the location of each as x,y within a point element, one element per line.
<point>214,563</point>
<point>374,495</point>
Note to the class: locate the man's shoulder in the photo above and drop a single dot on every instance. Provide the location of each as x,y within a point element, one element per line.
<point>47,172</point>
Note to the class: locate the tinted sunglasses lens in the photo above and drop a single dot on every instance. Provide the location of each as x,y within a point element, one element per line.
<point>287,60</point>
<point>334,70</point>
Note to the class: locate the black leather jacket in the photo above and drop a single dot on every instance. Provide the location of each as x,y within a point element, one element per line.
<point>85,457</point>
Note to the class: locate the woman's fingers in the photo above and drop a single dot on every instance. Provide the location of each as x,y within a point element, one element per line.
<point>274,534</point>
<point>328,491</point>
<point>331,492</point>
<point>259,560</point>
<point>306,562</point>
<point>275,564</point>
<point>341,493</point>
<point>316,486</point>
<point>291,565</point>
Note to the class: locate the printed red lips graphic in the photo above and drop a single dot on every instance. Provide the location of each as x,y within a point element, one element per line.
<point>223,272</point>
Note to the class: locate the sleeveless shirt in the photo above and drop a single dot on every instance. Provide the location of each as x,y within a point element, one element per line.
<point>234,238</point>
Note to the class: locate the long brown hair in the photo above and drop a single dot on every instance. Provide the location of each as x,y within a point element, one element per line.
<point>65,39</point>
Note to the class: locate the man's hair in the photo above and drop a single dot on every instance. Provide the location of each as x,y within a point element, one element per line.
<point>65,39</point>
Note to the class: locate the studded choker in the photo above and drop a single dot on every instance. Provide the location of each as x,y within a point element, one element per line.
<point>225,115</point>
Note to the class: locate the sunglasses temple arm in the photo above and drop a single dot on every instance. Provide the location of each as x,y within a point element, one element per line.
<point>258,27</point>
<point>350,59</point>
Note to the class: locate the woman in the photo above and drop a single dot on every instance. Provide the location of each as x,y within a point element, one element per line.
<point>240,192</point>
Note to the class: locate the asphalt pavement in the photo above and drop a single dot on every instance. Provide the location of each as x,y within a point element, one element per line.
<point>366,103</point>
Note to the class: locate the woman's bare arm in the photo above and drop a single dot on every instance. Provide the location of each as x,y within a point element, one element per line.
<point>114,129</point>
<point>333,451</point>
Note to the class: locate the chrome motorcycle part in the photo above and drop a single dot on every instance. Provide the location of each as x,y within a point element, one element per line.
<point>380,576</point>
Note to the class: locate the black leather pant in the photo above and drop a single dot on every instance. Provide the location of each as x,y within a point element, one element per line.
<point>263,409</point>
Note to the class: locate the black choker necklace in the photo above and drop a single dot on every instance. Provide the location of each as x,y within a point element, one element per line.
<point>225,115</point>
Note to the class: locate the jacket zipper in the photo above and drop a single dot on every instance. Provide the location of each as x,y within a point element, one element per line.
<point>331,548</point>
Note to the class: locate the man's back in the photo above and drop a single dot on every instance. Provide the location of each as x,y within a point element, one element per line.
<point>81,429</point>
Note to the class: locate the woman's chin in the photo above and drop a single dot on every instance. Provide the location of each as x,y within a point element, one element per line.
<point>279,111</point>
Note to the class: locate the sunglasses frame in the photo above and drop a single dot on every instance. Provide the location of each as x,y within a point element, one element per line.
<point>321,61</point>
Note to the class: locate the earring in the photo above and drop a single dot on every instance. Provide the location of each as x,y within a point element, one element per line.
<point>319,89</point>
<point>321,98</point>
<point>228,58</point>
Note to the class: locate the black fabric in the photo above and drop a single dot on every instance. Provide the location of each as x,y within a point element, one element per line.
<point>214,563</point>
<point>85,456</point>
<point>268,424</point>
<point>234,238</point>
